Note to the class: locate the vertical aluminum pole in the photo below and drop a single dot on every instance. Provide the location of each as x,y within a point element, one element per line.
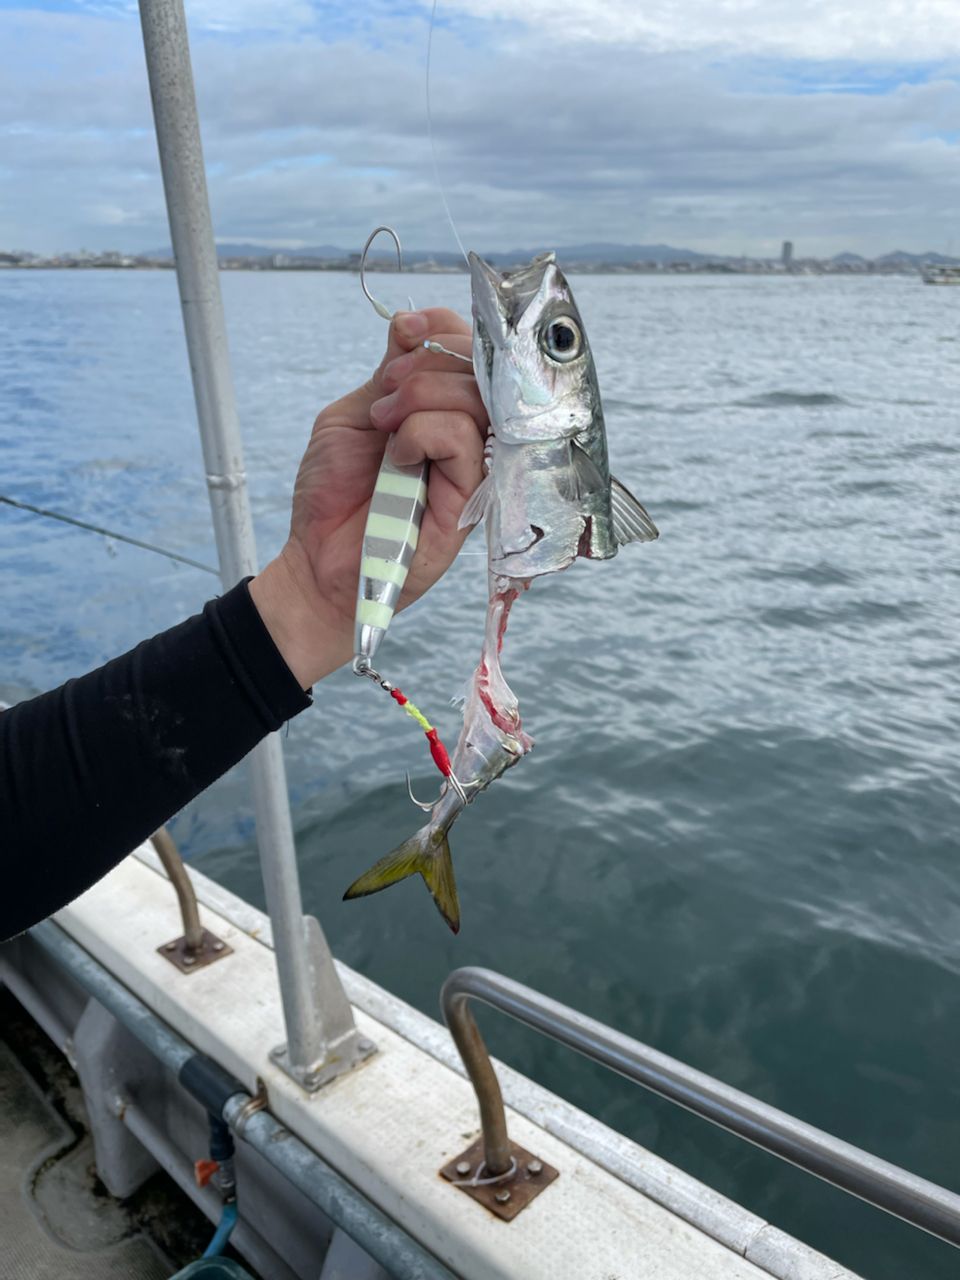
<point>317,1029</point>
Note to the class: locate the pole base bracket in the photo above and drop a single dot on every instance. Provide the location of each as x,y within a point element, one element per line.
<point>504,1198</point>
<point>210,950</point>
<point>347,1053</point>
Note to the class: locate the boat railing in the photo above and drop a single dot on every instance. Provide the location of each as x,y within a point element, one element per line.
<point>914,1199</point>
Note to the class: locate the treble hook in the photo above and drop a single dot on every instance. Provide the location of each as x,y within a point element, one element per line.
<point>380,309</point>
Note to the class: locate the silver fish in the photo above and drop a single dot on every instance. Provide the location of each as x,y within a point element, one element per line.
<point>547,499</point>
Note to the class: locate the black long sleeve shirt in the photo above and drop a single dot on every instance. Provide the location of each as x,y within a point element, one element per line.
<point>90,770</point>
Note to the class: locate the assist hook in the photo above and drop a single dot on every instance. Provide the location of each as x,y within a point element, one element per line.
<point>362,667</point>
<point>378,307</point>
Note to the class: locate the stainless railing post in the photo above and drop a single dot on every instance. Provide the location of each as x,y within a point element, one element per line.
<point>884,1185</point>
<point>321,1037</point>
<point>476,1060</point>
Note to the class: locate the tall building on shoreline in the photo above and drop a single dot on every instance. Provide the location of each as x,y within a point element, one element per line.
<point>786,255</point>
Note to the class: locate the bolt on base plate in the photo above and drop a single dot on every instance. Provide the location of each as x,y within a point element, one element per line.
<point>508,1198</point>
<point>211,949</point>
<point>346,1054</point>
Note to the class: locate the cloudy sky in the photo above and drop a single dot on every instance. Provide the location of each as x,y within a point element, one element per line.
<point>721,127</point>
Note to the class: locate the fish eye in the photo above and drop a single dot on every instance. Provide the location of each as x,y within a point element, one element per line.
<point>562,340</point>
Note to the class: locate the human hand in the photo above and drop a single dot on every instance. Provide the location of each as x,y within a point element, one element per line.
<point>428,407</point>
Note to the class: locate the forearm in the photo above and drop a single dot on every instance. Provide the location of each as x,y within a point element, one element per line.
<point>91,769</point>
<point>312,637</point>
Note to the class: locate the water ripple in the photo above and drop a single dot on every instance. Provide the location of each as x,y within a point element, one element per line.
<point>736,835</point>
<point>792,399</point>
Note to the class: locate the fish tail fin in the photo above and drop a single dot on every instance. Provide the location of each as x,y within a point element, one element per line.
<point>427,852</point>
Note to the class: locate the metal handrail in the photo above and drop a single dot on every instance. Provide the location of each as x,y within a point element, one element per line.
<point>179,877</point>
<point>905,1195</point>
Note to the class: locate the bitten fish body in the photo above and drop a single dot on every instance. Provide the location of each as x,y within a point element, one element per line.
<point>547,499</point>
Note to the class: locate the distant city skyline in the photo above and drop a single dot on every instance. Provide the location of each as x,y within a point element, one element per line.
<point>591,257</point>
<point>832,123</point>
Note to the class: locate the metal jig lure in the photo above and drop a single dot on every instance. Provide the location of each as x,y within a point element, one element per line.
<point>392,530</point>
<point>390,539</point>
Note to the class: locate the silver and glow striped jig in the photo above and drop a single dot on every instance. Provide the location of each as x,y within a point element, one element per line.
<point>392,530</point>
<point>390,539</point>
<point>389,543</point>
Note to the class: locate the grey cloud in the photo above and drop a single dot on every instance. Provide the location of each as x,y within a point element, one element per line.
<point>586,143</point>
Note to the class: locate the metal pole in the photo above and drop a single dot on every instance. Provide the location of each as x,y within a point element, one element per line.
<point>184,180</point>
<point>346,1207</point>
<point>884,1185</point>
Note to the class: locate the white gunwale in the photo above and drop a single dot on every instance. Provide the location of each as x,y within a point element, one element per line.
<point>389,1126</point>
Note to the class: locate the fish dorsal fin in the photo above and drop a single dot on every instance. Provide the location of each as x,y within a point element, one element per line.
<point>476,505</point>
<point>590,478</point>
<point>630,521</point>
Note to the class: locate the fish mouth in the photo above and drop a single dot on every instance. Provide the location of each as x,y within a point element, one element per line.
<point>501,298</point>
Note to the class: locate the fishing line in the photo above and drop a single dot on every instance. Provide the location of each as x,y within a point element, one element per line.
<point>107,533</point>
<point>433,145</point>
<point>361,664</point>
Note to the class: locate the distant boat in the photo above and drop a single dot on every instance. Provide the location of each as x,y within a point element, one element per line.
<point>941,275</point>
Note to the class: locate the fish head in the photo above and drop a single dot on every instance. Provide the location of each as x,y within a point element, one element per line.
<point>530,352</point>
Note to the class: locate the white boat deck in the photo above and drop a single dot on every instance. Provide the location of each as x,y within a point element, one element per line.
<point>390,1125</point>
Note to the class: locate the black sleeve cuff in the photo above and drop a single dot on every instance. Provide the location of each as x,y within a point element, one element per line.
<point>253,658</point>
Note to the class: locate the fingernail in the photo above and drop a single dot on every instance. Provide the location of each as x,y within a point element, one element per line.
<point>380,410</point>
<point>397,369</point>
<point>411,324</point>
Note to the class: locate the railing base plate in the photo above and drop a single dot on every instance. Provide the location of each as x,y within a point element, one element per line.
<point>531,1177</point>
<point>212,949</point>
<point>347,1053</point>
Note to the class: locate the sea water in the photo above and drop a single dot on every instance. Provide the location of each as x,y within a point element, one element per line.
<point>736,838</point>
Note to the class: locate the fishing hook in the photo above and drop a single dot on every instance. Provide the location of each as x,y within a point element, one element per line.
<point>427,808</point>
<point>454,782</point>
<point>380,309</point>
<point>458,787</point>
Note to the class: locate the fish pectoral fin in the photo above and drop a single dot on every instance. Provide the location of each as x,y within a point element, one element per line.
<point>631,523</point>
<point>473,512</point>
<point>588,476</point>
<point>426,853</point>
